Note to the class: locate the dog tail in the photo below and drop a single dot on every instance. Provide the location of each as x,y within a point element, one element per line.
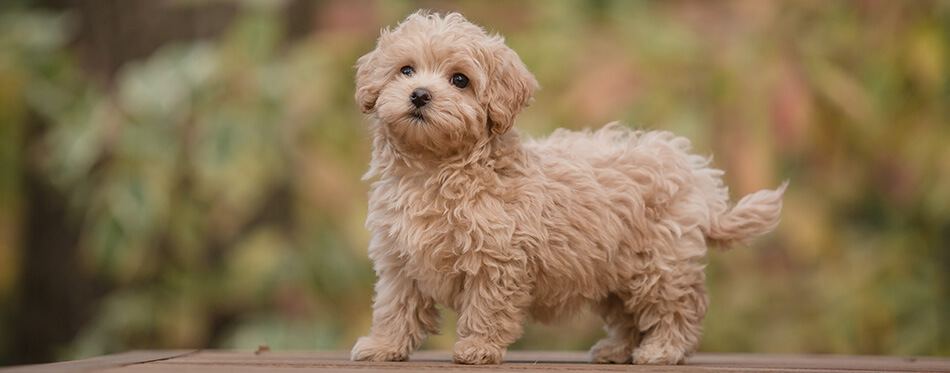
<point>756,214</point>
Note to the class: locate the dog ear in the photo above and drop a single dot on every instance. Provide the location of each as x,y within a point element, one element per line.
<point>369,81</point>
<point>510,88</point>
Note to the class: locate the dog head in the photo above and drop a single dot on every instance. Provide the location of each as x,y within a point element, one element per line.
<point>439,84</point>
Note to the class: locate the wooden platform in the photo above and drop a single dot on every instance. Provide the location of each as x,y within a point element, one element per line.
<point>520,361</point>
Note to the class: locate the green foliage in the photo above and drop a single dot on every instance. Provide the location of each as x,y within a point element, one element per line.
<point>217,183</point>
<point>194,182</point>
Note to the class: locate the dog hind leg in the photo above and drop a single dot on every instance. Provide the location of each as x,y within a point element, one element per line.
<point>622,333</point>
<point>672,322</point>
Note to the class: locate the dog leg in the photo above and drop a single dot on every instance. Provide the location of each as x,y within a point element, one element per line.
<point>402,319</point>
<point>490,318</point>
<point>672,324</point>
<point>622,333</point>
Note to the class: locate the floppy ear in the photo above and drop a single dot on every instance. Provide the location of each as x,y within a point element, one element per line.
<point>510,88</point>
<point>370,78</point>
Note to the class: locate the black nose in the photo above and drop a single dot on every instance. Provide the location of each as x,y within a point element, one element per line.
<point>420,97</point>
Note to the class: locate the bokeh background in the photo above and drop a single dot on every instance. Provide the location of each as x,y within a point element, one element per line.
<point>186,174</point>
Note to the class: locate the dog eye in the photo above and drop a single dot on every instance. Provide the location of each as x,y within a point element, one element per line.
<point>407,70</point>
<point>459,80</point>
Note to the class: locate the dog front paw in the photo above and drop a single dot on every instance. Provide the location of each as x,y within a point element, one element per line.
<point>654,354</point>
<point>474,352</point>
<point>375,349</point>
<point>610,351</point>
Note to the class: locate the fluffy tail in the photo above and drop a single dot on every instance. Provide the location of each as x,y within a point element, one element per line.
<point>755,215</point>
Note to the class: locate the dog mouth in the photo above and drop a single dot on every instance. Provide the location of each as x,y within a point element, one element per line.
<point>416,116</point>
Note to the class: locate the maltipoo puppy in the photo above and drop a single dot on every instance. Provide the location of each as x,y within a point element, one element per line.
<point>466,215</point>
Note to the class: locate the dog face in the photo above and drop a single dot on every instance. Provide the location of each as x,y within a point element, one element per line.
<point>440,85</point>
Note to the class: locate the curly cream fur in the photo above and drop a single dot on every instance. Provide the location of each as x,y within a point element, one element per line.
<point>466,215</point>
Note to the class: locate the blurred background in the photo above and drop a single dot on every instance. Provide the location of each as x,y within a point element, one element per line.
<point>186,173</point>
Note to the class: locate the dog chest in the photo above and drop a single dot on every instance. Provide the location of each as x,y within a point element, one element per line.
<point>438,235</point>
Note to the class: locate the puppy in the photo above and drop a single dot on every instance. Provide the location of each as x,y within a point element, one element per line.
<point>466,215</point>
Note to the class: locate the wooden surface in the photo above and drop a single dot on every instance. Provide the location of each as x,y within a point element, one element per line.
<point>521,361</point>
